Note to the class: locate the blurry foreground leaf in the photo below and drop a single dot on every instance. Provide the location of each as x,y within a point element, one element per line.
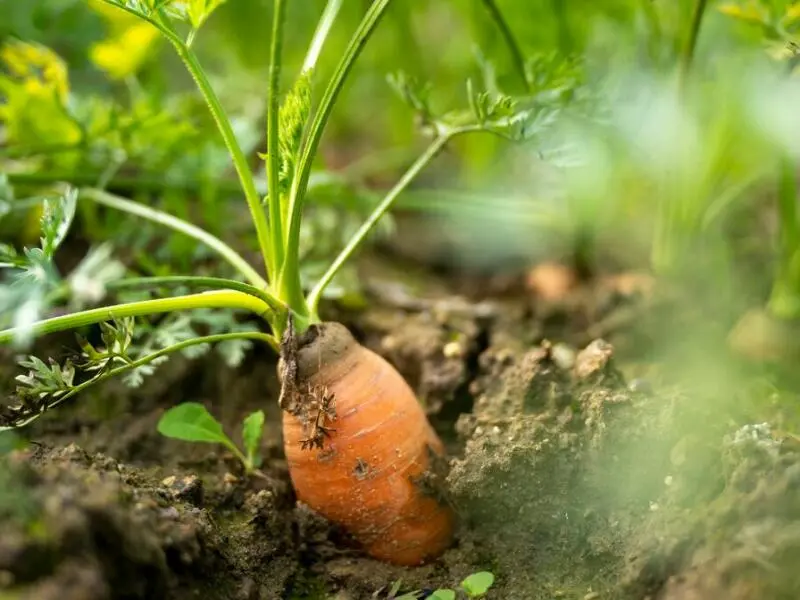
<point>478,584</point>
<point>252,431</point>
<point>89,280</point>
<point>56,220</point>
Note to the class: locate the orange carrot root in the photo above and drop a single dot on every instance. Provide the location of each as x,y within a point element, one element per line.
<point>360,449</point>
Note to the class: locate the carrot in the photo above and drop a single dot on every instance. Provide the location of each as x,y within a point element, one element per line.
<point>359,447</point>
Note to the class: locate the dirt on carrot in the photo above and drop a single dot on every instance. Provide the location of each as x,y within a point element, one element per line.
<point>569,481</point>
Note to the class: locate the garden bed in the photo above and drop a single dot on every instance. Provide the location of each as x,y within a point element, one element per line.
<point>570,479</point>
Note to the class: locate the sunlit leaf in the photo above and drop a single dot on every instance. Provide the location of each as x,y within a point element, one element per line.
<point>749,11</point>
<point>198,11</point>
<point>792,15</point>
<point>478,584</point>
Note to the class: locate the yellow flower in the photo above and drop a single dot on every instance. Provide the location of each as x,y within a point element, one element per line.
<point>40,69</point>
<point>792,14</point>
<point>125,53</point>
<point>749,12</point>
<point>34,96</point>
<point>117,19</point>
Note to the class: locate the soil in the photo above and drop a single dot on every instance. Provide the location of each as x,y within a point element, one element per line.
<point>572,478</point>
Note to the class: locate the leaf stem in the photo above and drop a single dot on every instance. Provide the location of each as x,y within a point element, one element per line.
<point>290,279</point>
<point>358,238</point>
<point>216,299</point>
<point>207,339</point>
<point>218,283</point>
<point>273,150</point>
<point>510,40</point>
<point>229,137</point>
<point>691,41</point>
<point>784,301</point>
<point>176,224</point>
<point>321,34</point>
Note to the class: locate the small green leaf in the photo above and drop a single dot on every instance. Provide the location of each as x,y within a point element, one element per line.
<point>252,430</point>
<point>443,595</point>
<point>56,220</point>
<point>191,422</point>
<point>198,11</point>
<point>478,584</point>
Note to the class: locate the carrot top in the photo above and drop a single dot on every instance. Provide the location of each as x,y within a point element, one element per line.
<point>272,291</point>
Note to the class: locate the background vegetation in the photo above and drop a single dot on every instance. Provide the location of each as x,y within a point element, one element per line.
<point>664,138</point>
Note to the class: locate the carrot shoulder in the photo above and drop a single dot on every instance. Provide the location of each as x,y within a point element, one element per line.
<point>359,449</point>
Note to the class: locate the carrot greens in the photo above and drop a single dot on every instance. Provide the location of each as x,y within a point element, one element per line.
<point>132,340</point>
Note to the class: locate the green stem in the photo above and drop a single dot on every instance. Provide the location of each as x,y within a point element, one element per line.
<point>564,34</point>
<point>176,224</point>
<point>228,443</point>
<point>358,238</point>
<point>217,283</point>
<point>208,339</point>
<point>16,152</point>
<point>290,279</point>
<point>229,137</point>
<point>691,42</point>
<point>510,40</point>
<point>273,150</point>
<point>216,299</point>
<point>784,300</point>
<point>321,34</point>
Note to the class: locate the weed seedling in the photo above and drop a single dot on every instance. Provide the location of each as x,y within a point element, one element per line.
<point>191,422</point>
<point>476,585</point>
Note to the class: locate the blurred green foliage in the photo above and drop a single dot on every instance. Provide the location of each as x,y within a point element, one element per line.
<point>630,165</point>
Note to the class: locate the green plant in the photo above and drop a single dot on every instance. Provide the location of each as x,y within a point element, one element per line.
<point>476,585</point>
<point>191,422</point>
<point>277,293</point>
<point>293,135</point>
